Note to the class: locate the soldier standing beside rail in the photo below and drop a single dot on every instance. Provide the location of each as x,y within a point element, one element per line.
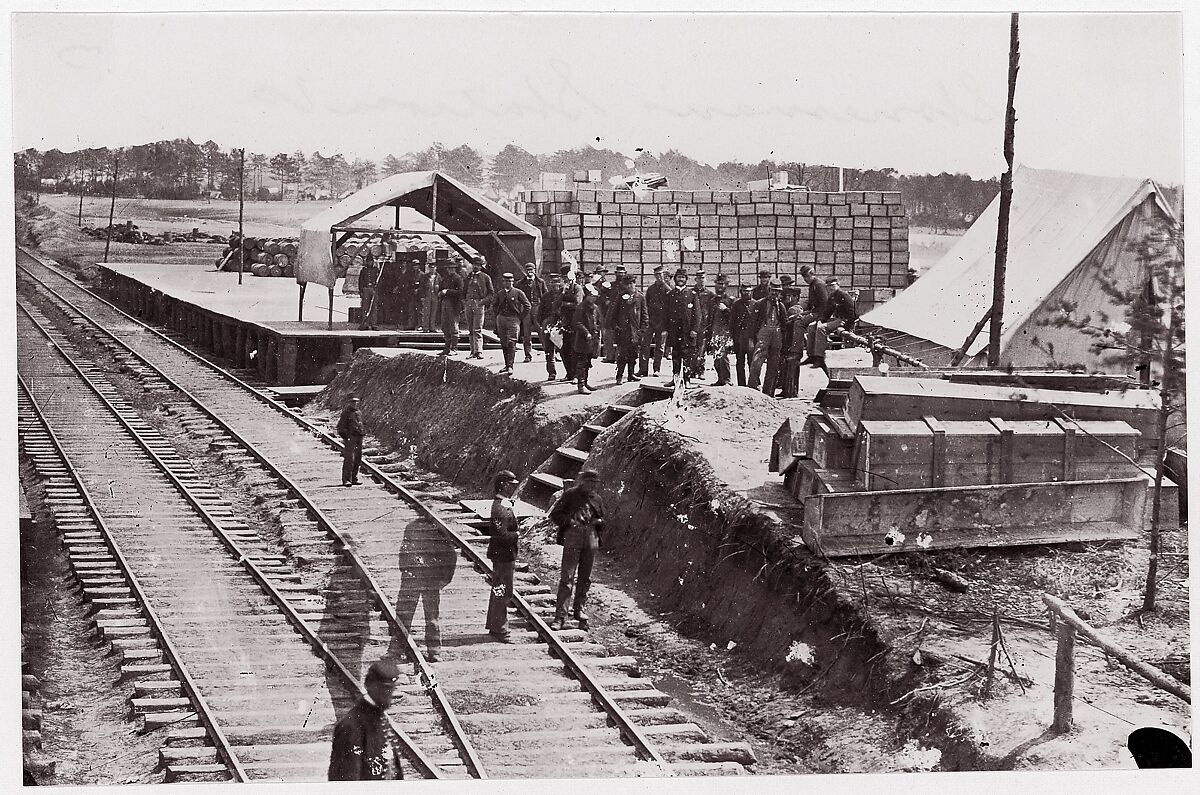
<point>362,746</point>
<point>502,551</point>
<point>579,516</point>
<point>350,428</point>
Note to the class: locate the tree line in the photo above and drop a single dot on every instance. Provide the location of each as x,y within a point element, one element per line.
<point>182,169</point>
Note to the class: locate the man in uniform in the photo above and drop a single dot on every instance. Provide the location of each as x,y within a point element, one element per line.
<point>510,305</point>
<point>705,301</point>
<point>801,314</point>
<point>762,289</point>
<point>656,306</point>
<point>766,330</point>
<point>739,327</point>
<point>368,278</point>
<point>839,312</point>
<point>477,292</point>
<point>502,552</point>
<point>535,290</point>
<point>569,298</point>
<point>682,326</point>
<point>628,323</point>
<point>579,516</point>
<point>350,428</point>
<point>604,295</point>
<point>548,315</point>
<point>409,288</point>
<point>362,745</point>
<point>425,293</point>
<point>720,330</point>
<point>450,302</point>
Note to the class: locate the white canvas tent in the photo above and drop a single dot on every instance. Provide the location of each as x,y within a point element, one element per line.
<point>454,212</point>
<point>1066,231</point>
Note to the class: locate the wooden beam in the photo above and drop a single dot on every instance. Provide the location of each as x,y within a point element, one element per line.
<point>472,233</point>
<point>1064,679</point>
<point>508,251</point>
<point>962,352</point>
<point>1010,123</point>
<point>1154,676</point>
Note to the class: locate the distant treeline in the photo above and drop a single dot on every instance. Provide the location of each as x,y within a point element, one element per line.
<point>181,169</point>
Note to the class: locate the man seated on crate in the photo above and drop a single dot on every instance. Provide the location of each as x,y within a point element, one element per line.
<point>839,312</point>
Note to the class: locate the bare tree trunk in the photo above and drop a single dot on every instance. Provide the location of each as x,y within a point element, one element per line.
<point>112,207</point>
<point>1160,458</point>
<point>1010,123</point>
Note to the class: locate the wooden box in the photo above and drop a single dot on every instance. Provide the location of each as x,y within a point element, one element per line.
<point>905,454</point>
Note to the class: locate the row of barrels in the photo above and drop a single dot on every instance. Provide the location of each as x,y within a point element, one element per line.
<point>261,256</point>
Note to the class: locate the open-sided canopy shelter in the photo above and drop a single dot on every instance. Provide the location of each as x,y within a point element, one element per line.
<point>1067,233</point>
<point>454,212</point>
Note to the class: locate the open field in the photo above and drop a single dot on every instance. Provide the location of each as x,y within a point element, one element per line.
<point>926,247</point>
<point>214,216</point>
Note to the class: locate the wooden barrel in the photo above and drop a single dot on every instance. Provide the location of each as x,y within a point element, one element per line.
<point>280,260</point>
<point>289,271</point>
<point>250,243</point>
<point>258,269</point>
<point>262,256</point>
<point>272,247</point>
<point>291,249</point>
<point>275,270</point>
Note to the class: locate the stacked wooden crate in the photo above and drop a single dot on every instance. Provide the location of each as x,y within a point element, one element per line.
<point>861,237</point>
<point>913,455</point>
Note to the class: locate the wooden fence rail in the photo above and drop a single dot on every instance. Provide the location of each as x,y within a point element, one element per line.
<point>1064,666</point>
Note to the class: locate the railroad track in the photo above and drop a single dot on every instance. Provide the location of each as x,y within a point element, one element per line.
<point>549,703</point>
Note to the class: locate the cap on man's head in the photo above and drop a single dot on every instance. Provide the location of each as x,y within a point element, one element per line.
<point>786,281</point>
<point>721,279</point>
<point>505,476</point>
<point>659,269</point>
<point>589,474</point>
<point>745,288</point>
<point>764,273</point>
<point>507,275</point>
<point>619,269</point>
<point>681,272</point>
<point>831,281</point>
<point>805,270</point>
<point>529,266</point>
<point>775,285</point>
<point>383,671</point>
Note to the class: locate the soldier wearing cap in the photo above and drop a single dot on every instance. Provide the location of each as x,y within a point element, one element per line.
<point>627,323</point>
<point>586,325</point>
<point>739,322</point>
<point>683,326</point>
<point>607,294</point>
<point>766,330</point>
<point>839,312</point>
<point>578,514</point>
<point>502,551</point>
<point>549,315</point>
<point>368,279</point>
<point>534,288</point>
<point>350,428</point>
<point>570,297</point>
<point>362,745</point>
<point>450,304</point>
<point>656,315</point>
<point>763,288</point>
<point>705,300</point>
<point>800,316</point>
<point>720,330</point>
<point>509,305</point>
<point>477,292</point>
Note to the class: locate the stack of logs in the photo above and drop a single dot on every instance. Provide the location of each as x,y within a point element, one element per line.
<point>262,256</point>
<point>128,232</point>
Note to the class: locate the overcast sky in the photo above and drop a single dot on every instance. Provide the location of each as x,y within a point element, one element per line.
<point>921,93</point>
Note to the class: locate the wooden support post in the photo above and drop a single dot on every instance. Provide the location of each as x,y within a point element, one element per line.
<point>330,321</point>
<point>241,209</point>
<point>1006,449</point>
<point>300,315</point>
<point>938,474</point>
<point>288,356</point>
<point>433,205</point>
<point>1010,123</point>
<point>991,668</point>
<point>1064,678</point>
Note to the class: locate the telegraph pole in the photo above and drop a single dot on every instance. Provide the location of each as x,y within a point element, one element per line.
<point>1010,123</point>
<point>241,208</point>
<point>113,204</point>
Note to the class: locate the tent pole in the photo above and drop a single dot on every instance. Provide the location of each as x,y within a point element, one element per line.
<point>1010,123</point>
<point>433,207</point>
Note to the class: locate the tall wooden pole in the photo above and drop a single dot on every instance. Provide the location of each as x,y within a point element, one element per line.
<point>241,209</point>
<point>112,207</point>
<point>1010,123</point>
<point>79,220</point>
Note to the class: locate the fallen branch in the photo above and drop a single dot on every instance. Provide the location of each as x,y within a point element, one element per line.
<point>938,686</point>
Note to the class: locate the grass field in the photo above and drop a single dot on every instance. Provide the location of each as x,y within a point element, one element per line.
<point>215,217</point>
<point>925,248</point>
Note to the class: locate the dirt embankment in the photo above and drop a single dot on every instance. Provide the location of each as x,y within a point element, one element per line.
<point>463,421</point>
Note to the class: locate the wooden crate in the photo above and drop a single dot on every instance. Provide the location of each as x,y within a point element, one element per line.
<point>1037,451</point>
<point>929,453</point>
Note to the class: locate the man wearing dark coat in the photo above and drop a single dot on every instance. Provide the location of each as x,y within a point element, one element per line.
<point>549,314</point>
<point>628,322</point>
<point>502,552</point>
<point>766,329</point>
<point>362,746</point>
<point>739,326</point>
<point>706,301</point>
<point>799,316</point>
<point>450,298</point>
<point>587,338</point>
<point>682,326</point>
<point>656,313</point>
<point>534,288</point>
<point>839,312</point>
<point>569,298</point>
<point>763,288</point>
<point>368,278</point>
<point>579,516</point>
<point>720,331</point>
<point>350,428</point>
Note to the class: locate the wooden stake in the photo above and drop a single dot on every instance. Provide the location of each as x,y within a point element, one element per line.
<point>241,209</point>
<point>1064,678</point>
<point>1010,123</point>
<point>112,207</point>
<point>991,666</point>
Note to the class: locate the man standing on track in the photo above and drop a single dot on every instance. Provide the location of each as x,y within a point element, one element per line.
<point>477,290</point>
<point>350,428</point>
<point>579,516</point>
<point>362,745</point>
<point>502,551</point>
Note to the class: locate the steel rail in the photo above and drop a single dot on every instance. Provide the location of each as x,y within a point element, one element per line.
<point>221,743</point>
<point>423,763</point>
<point>428,678</point>
<point>628,729</point>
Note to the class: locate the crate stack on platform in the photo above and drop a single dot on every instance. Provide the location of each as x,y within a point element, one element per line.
<point>861,237</point>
